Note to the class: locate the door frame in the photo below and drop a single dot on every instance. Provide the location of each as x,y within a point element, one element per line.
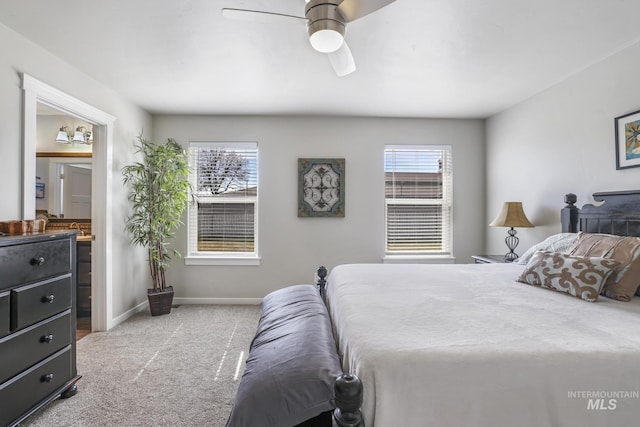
<point>34,92</point>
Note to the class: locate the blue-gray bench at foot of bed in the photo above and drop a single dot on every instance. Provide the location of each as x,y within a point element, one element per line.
<point>293,372</point>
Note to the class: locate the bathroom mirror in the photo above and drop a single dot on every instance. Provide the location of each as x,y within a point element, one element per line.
<point>63,186</point>
<point>63,170</point>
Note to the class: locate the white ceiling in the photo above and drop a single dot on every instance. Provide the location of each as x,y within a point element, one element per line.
<point>415,58</point>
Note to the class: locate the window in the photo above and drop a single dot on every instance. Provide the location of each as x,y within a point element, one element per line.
<point>418,199</point>
<point>223,217</point>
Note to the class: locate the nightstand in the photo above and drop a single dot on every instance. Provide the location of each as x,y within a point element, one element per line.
<point>489,259</point>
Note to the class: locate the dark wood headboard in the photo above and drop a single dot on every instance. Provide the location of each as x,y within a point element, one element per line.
<point>618,214</point>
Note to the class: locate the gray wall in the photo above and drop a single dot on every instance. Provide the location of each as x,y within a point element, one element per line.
<point>291,247</point>
<point>556,142</point>
<point>19,55</point>
<point>561,141</point>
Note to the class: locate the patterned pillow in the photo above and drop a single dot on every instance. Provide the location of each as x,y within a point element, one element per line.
<point>581,277</point>
<point>622,285</point>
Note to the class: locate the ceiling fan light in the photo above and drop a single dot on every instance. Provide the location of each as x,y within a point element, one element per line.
<point>325,25</point>
<point>326,41</point>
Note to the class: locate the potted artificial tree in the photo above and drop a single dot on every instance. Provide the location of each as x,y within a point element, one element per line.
<point>159,193</point>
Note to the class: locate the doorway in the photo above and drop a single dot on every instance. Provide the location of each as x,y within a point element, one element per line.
<point>35,93</point>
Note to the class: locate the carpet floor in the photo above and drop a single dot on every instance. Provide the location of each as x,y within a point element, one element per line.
<point>180,369</point>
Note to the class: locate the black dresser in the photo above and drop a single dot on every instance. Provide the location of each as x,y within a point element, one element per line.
<point>37,322</point>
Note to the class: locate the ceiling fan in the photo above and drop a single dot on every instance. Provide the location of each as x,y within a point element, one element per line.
<point>326,23</point>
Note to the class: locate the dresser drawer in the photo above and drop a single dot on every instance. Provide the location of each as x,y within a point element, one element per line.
<point>35,343</point>
<point>4,313</point>
<point>34,261</point>
<point>19,394</point>
<point>35,302</point>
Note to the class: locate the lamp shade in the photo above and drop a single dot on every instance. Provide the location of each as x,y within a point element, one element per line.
<point>511,215</point>
<point>78,137</point>
<point>62,137</point>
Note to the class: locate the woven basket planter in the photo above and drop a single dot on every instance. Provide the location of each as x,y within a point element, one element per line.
<point>160,302</point>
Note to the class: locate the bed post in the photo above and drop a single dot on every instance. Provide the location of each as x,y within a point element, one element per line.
<point>322,273</point>
<point>569,214</point>
<point>348,389</point>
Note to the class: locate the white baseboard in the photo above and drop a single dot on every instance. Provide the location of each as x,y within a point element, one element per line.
<point>235,301</point>
<point>127,314</point>
<point>177,301</point>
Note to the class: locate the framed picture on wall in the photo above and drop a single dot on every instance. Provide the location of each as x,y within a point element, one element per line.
<point>39,190</point>
<point>628,140</point>
<point>321,187</point>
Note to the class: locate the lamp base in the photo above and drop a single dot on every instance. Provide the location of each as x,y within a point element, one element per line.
<point>512,242</point>
<point>510,257</point>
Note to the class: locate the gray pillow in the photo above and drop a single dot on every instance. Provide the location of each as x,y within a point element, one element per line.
<point>292,364</point>
<point>560,243</point>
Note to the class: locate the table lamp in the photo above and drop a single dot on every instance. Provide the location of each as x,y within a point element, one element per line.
<point>511,215</point>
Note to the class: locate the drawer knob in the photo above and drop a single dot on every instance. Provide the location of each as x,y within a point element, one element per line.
<point>37,261</point>
<point>47,338</point>
<point>46,378</point>
<point>48,298</point>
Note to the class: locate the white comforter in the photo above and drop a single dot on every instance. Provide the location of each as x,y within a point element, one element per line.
<point>467,345</point>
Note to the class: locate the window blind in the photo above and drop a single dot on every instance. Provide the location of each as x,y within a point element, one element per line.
<point>418,195</point>
<point>224,180</point>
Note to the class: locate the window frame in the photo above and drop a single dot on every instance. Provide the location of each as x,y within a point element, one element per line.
<point>195,257</point>
<point>446,252</point>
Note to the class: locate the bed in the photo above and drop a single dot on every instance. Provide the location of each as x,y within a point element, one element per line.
<point>552,339</point>
<point>470,345</point>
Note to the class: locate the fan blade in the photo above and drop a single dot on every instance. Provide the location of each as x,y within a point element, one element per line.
<point>355,9</point>
<point>259,16</point>
<point>342,60</point>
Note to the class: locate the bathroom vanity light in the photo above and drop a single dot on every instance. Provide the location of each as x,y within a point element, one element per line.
<point>81,135</point>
